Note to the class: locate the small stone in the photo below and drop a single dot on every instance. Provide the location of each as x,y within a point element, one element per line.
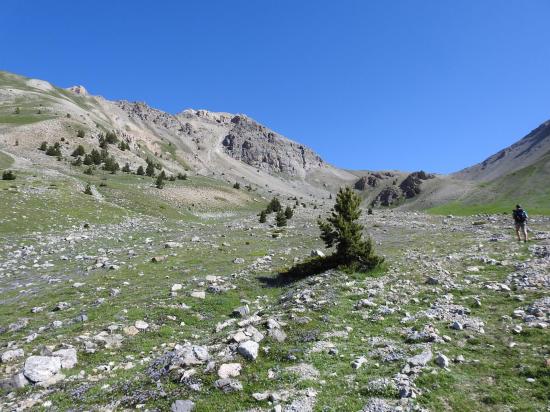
<point>238,261</point>
<point>317,253</point>
<point>62,306</point>
<point>157,259</point>
<point>68,357</point>
<point>141,325</point>
<point>277,334</point>
<point>421,359</point>
<point>441,360</point>
<point>10,355</point>
<point>229,370</point>
<point>357,363</point>
<point>456,325</point>
<point>130,330</point>
<point>249,349</point>
<point>517,329</point>
<point>228,385</point>
<point>183,406</point>
<point>199,294</point>
<point>172,245</point>
<point>176,287</point>
<point>241,311</point>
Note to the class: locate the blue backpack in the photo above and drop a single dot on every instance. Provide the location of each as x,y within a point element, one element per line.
<point>520,215</point>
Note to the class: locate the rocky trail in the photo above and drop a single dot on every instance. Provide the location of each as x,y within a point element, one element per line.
<point>153,314</point>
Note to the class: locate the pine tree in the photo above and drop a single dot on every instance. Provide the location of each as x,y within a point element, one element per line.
<point>88,160</point>
<point>140,171</point>
<point>160,181</point>
<point>96,157</point>
<point>150,170</point>
<point>79,151</point>
<point>263,215</point>
<point>126,168</point>
<point>43,146</point>
<point>280,219</point>
<point>273,206</point>
<point>237,185</point>
<point>342,230</point>
<point>288,212</point>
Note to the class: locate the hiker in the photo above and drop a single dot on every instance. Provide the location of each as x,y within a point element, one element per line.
<point>520,220</point>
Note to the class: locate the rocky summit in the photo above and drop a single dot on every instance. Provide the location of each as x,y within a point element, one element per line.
<point>167,262</point>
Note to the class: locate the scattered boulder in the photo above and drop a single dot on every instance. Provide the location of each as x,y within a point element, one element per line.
<point>228,385</point>
<point>249,349</point>
<point>183,406</point>
<point>229,370</point>
<point>41,368</point>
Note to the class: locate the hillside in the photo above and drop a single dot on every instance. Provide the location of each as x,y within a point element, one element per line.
<point>525,152</point>
<point>230,148</point>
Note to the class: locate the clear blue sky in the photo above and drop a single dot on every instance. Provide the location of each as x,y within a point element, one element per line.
<point>437,85</point>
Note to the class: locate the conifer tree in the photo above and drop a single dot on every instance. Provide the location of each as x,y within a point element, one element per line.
<point>288,212</point>
<point>280,219</point>
<point>263,215</point>
<point>342,230</point>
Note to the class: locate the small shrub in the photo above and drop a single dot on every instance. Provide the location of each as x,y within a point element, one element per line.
<point>17,110</point>
<point>54,150</point>
<point>88,190</point>
<point>263,215</point>
<point>237,186</point>
<point>111,137</point>
<point>68,115</point>
<point>80,133</point>
<point>43,146</point>
<point>182,176</point>
<point>126,168</point>
<point>79,151</point>
<point>8,175</point>
<point>77,162</point>
<point>89,171</point>
<point>140,171</point>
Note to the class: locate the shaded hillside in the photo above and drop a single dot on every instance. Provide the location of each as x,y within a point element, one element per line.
<point>521,154</point>
<point>528,186</point>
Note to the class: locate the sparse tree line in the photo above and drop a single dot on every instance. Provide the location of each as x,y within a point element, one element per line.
<point>108,162</point>
<point>281,216</point>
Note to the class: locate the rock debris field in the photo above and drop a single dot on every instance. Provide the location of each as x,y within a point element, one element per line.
<point>190,315</point>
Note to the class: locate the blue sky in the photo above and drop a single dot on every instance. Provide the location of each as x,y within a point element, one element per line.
<point>428,84</point>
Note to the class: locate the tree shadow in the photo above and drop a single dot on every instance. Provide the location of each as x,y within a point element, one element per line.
<point>313,266</point>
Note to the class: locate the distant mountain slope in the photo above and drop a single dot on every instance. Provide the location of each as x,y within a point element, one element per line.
<point>521,154</point>
<point>225,146</point>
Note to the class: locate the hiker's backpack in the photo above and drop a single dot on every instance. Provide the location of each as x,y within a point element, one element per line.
<point>520,215</point>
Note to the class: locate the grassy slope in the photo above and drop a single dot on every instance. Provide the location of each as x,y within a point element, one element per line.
<point>528,186</point>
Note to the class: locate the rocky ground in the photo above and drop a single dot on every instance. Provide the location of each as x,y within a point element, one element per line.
<point>153,313</point>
